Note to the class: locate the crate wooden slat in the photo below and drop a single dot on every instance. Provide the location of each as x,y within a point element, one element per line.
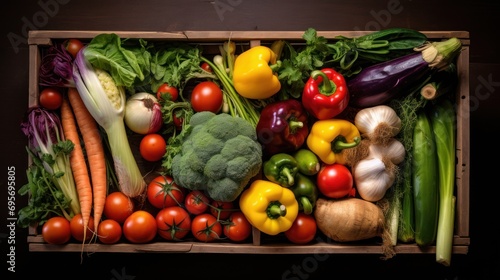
<point>260,243</point>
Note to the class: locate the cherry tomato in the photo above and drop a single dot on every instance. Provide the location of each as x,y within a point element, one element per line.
<point>77,228</point>
<point>196,202</point>
<point>173,223</point>
<point>205,227</point>
<point>303,229</point>
<point>118,207</point>
<point>73,46</point>
<point>221,209</point>
<point>56,230</point>
<point>152,147</point>
<point>207,96</point>
<point>140,227</point>
<point>205,66</point>
<point>51,98</point>
<point>163,192</point>
<point>239,228</point>
<point>109,231</point>
<point>334,180</point>
<point>166,89</point>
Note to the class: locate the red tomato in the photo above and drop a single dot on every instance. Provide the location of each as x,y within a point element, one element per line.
<point>152,147</point>
<point>205,227</point>
<point>164,90</point>
<point>196,202</point>
<point>51,98</point>
<point>77,229</point>
<point>73,46</point>
<point>207,96</point>
<point>163,192</point>
<point>173,223</point>
<point>221,209</point>
<point>303,229</point>
<point>205,66</point>
<point>118,207</point>
<point>239,228</point>
<point>140,227</point>
<point>56,230</point>
<point>335,180</point>
<point>109,231</point>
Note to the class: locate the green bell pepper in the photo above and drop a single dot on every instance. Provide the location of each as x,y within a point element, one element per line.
<point>281,169</point>
<point>306,193</point>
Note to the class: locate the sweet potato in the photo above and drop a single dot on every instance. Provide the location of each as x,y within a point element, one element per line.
<point>349,219</point>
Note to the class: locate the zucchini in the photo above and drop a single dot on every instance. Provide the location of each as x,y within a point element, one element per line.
<point>425,178</point>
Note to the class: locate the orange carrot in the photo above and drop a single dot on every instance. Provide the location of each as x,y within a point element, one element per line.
<point>78,164</point>
<point>95,153</point>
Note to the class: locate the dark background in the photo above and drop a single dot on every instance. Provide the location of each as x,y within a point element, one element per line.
<point>479,17</point>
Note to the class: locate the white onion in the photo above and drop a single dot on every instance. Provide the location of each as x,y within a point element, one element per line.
<point>143,113</point>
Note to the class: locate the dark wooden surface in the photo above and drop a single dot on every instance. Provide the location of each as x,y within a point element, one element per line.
<point>479,17</point>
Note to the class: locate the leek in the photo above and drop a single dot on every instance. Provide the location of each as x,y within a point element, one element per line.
<point>443,125</point>
<point>106,103</point>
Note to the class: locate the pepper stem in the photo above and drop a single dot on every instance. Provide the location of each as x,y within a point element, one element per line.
<point>290,179</point>
<point>307,206</point>
<point>326,87</point>
<point>294,125</point>
<point>276,210</point>
<point>339,144</point>
<point>276,66</point>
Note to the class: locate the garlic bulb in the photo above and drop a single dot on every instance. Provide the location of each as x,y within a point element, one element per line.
<point>378,123</point>
<point>372,179</point>
<point>376,173</point>
<point>393,150</point>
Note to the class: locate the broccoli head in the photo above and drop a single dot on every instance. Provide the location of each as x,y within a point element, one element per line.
<point>221,154</point>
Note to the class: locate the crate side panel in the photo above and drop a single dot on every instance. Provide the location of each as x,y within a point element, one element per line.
<point>463,145</point>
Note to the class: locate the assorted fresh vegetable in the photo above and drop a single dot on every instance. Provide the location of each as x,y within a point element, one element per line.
<point>269,207</point>
<point>379,83</point>
<point>283,127</point>
<point>325,94</point>
<point>220,155</point>
<point>350,138</point>
<point>329,139</point>
<point>50,177</point>
<point>253,74</point>
<point>143,113</point>
<point>106,102</point>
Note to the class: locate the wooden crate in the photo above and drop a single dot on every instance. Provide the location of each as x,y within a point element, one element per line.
<point>261,243</point>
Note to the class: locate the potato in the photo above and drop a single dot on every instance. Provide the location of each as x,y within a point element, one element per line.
<point>349,219</point>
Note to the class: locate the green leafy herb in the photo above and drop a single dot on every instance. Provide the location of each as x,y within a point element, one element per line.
<point>45,198</point>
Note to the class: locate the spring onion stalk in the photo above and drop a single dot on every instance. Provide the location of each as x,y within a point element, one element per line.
<point>106,103</point>
<point>402,225</point>
<point>46,141</point>
<point>406,229</point>
<point>239,106</point>
<point>443,125</point>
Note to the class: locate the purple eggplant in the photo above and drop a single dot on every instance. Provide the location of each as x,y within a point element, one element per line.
<point>379,83</point>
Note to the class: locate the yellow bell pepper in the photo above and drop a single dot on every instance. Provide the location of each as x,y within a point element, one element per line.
<point>269,207</point>
<point>328,138</point>
<point>253,75</point>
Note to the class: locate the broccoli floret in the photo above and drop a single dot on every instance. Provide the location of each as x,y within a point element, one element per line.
<point>220,155</point>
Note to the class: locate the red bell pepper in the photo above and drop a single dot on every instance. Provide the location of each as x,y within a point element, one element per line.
<point>325,94</point>
<point>282,127</point>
